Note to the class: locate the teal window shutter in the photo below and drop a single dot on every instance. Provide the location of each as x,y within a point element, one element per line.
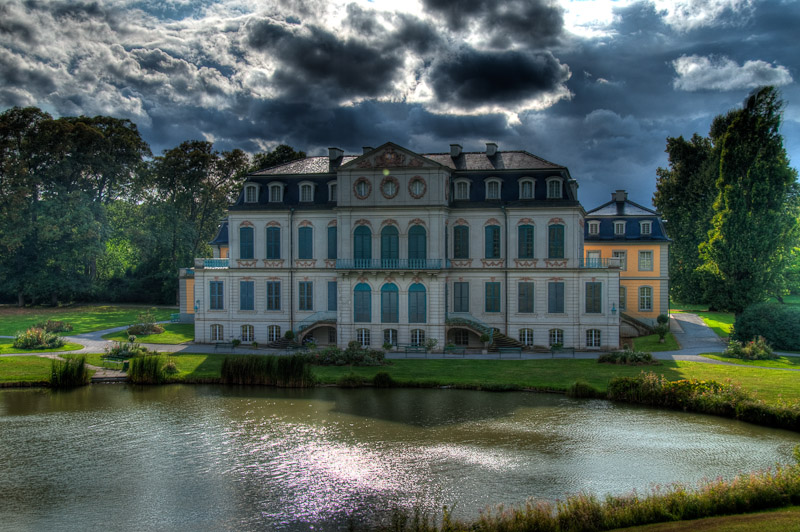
<point>245,243</point>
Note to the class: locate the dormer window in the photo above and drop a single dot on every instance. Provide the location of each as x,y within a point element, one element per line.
<point>462,189</point>
<point>493,189</point>
<point>554,188</point>
<point>250,194</point>
<point>646,227</point>
<point>526,188</point>
<point>332,191</point>
<point>619,228</point>
<point>276,193</point>
<point>306,192</point>
<point>594,228</point>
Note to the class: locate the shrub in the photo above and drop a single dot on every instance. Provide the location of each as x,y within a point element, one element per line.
<point>54,326</point>
<point>148,369</point>
<point>37,338</point>
<point>757,349</point>
<point>383,380</point>
<point>69,373</point>
<point>777,323</point>
<point>128,349</point>
<point>354,355</point>
<point>145,324</point>
<point>351,380</point>
<point>289,335</point>
<point>661,330</point>
<point>662,319</point>
<point>628,357</point>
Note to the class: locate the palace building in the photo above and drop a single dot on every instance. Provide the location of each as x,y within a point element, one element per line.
<point>392,246</point>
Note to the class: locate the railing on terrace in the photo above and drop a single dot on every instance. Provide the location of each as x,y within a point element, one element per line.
<point>613,262</point>
<point>467,319</point>
<point>214,263</point>
<point>323,315</point>
<point>389,264</point>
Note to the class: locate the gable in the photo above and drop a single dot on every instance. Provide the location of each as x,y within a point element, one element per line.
<point>390,155</point>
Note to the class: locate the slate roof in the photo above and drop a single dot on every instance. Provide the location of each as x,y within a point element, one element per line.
<point>631,212</point>
<point>222,235</point>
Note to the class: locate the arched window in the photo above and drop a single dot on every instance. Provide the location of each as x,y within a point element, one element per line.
<point>554,188</point>
<point>417,246</point>
<point>362,244</point>
<point>417,337</point>
<point>555,241</point>
<point>273,333</point>
<point>390,336</point>
<point>390,312</point>
<point>250,194</point>
<point>362,336</point>
<point>390,251</point>
<point>247,333</point>
<point>493,189</point>
<point>276,193</point>
<point>461,242</point>
<point>525,241</point>
<point>216,333</point>
<point>462,190</point>
<point>306,193</point>
<point>362,303</point>
<point>245,242</point>
<point>526,188</point>
<point>556,337</point>
<point>526,337</point>
<point>416,304</point>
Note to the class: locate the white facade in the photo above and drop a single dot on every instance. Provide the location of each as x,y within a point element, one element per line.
<point>405,235</point>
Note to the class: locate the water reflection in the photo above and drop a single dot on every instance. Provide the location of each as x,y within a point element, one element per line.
<point>206,457</point>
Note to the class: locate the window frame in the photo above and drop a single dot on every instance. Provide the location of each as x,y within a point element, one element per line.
<point>333,189</point>
<point>273,333</point>
<point>555,297</point>
<point>417,303</point>
<point>273,302</point>
<point>467,184</point>
<point>594,337</point>
<point>272,188</point>
<point>333,296</point>
<point>247,295</point>
<point>362,303</point>
<point>492,297</point>
<point>620,227</point>
<point>593,297</point>
<point>459,297</point>
<point>526,336</point>
<point>362,243</point>
<point>305,243</point>
<point>333,245</point>
<point>305,296</point>
<point>363,336</point>
<point>390,303</point>
<point>525,241</point>
<point>391,337</point>
<point>527,181</point>
<point>417,336</point>
<point>493,182</point>
<point>622,299</point>
<point>551,193</point>
<point>251,193</point>
<point>461,337</point>
<point>645,259</point>
<point>645,299</point>
<point>461,242</point>
<point>526,291</point>
<point>249,336</point>
<point>217,332</point>
<point>556,247</point>
<point>216,293</point>
<point>646,224</point>
<point>593,227</point>
<point>273,243</point>
<point>307,191</point>
<point>555,336</point>
<point>247,242</point>
<point>492,242</point>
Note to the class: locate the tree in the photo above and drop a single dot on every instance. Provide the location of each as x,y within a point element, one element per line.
<point>685,196</point>
<point>281,154</point>
<point>754,228</point>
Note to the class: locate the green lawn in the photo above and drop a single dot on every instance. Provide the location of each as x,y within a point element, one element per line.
<point>95,359</point>
<point>6,346</point>
<point>781,362</point>
<point>784,520</point>
<point>84,318</point>
<point>649,344</point>
<point>174,333</point>
<point>24,369</point>
<point>720,322</point>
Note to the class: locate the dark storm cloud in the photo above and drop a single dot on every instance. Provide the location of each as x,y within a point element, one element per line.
<point>472,77</point>
<point>315,63</point>
<point>537,23</point>
<point>18,29</point>
<point>32,77</point>
<point>414,34</point>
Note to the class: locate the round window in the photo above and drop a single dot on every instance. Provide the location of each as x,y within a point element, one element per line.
<point>417,187</point>
<point>389,187</point>
<point>362,188</point>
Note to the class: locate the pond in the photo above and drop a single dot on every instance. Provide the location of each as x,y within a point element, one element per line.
<point>121,457</point>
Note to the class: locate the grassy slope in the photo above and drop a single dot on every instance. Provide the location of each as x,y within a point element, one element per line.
<point>650,343</point>
<point>785,520</point>
<point>174,333</point>
<point>84,318</point>
<point>6,346</point>
<point>24,369</point>
<point>781,362</point>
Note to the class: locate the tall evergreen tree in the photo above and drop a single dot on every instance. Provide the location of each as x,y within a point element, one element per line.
<point>754,228</point>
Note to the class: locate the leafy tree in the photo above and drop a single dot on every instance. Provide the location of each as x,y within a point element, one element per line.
<point>754,228</point>
<point>281,154</point>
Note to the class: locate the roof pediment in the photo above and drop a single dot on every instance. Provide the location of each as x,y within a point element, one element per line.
<point>390,155</point>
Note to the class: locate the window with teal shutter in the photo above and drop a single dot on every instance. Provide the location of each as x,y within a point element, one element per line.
<point>461,242</point>
<point>245,243</point>
<point>492,300</point>
<point>492,241</point>
<point>332,242</point>
<point>332,293</point>
<point>362,243</point>
<point>555,298</point>
<point>362,303</point>
<point>305,243</point>
<point>390,308</point>
<point>525,301</point>
<point>216,295</point>
<point>594,292</point>
<point>460,297</point>
<point>306,293</point>
<point>525,237</point>
<point>416,304</point>
<point>555,241</point>
<point>390,239</point>
<point>417,244</point>
<point>246,295</point>
<point>273,295</point>
<point>273,242</point>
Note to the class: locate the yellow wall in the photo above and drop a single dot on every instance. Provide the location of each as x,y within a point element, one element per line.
<point>631,254</point>
<point>223,252</point>
<point>632,297</point>
<point>189,296</point>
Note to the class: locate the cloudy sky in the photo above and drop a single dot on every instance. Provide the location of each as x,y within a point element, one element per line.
<point>596,85</point>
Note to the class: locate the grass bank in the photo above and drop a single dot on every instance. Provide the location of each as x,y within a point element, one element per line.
<point>7,347</point>
<point>174,333</point>
<point>780,362</point>
<point>650,343</point>
<point>84,318</point>
<point>786,520</point>
<point>24,371</point>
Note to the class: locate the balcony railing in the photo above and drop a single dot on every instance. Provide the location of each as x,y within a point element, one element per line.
<point>216,263</point>
<point>613,262</point>
<point>389,264</point>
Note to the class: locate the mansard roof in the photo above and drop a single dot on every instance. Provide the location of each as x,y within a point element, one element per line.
<point>222,235</point>
<point>624,209</point>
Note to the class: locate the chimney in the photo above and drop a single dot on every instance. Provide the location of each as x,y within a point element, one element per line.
<point>366,149</point>
<point>619,196</point>
<point>455,150</point>
<point>335,154</point>
<point>491,149</point>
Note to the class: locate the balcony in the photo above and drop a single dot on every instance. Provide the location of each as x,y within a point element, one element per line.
<point>212,264</point>
<point>613,262</point>
<point>389,264</point>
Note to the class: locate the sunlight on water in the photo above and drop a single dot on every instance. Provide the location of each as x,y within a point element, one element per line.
<point>197,457</point>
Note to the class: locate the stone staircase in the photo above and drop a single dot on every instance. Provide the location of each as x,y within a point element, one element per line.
<point>501,340</point>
